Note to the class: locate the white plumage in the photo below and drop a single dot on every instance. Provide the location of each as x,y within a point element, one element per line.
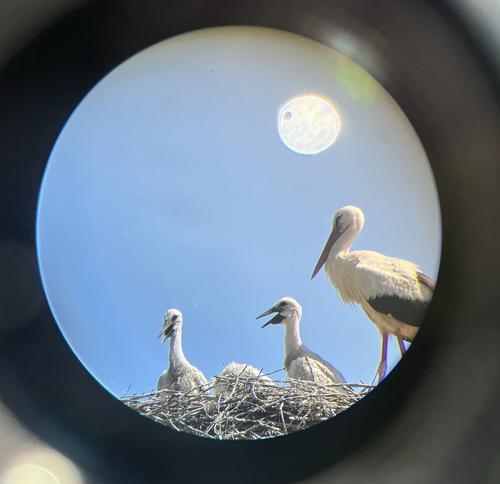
<point>394,293</point>
<point>231,372</point>
<point>300,362</point>
<point>181,375</point>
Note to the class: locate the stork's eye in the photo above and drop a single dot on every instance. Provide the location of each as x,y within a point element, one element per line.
<point>174,318</point>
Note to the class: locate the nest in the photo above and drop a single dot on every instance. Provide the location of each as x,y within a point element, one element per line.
<point>249,408</point>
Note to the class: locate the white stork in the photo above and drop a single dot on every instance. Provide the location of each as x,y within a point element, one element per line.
<point>181,375</point>
<point>300,362</point>
<point>225,381</point>
<point>393,293</point>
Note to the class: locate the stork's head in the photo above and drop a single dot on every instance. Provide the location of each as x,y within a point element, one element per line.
<point>172,321</point>
<point>284,308</point>
<point>347,224</point>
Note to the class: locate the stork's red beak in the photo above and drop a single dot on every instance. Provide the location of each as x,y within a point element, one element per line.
<point>336,233</point>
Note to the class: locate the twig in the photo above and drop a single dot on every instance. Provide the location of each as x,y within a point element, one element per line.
<point>254,409</point>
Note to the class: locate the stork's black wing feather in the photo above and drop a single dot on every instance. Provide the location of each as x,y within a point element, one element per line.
<point>409,311</point>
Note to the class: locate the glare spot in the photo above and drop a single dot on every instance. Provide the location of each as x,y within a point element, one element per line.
<point>308,124</point>
<point>29,474</point>
<point>41,466</point>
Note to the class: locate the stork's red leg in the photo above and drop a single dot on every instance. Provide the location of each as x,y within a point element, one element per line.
<point>382,366</point>
<point>401,346</point>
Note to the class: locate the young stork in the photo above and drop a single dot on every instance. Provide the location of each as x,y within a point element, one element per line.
<point>180,375</point>
<point>233,371</point>
<point>300,362</point>
<point>393,293</point>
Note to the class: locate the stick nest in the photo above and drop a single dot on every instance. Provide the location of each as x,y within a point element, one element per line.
<point>248,408</point>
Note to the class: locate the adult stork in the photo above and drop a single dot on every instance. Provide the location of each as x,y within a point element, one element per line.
<point>393,293</point>
<point>300,362</point>
<point>181,375</point>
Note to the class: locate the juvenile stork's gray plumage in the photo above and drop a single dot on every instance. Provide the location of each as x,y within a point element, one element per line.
<point>181,375</point>
<point>230,373</point>
<point>393,293</point>
<point>300,362</point>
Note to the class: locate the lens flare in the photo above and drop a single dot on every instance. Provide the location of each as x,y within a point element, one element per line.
<point>308,124</point>
<point>41,465</point>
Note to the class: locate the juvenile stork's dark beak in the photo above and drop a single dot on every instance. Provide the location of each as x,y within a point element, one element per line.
<point>166,331</point>
<point>278,319</point>
<point>336,233</point>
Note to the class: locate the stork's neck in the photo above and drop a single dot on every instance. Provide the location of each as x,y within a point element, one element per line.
<point>344,242</point>
<point>176,355</point>
<point>292,334</point>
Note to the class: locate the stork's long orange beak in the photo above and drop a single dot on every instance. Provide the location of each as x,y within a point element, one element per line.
<point>335,234</point>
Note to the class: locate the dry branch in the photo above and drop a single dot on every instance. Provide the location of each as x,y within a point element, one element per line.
<point>250,408</point>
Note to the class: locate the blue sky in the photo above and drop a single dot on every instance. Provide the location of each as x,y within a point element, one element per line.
<point>170,187</point>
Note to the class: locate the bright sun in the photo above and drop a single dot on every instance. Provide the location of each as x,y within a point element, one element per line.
<point>308,124</point>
